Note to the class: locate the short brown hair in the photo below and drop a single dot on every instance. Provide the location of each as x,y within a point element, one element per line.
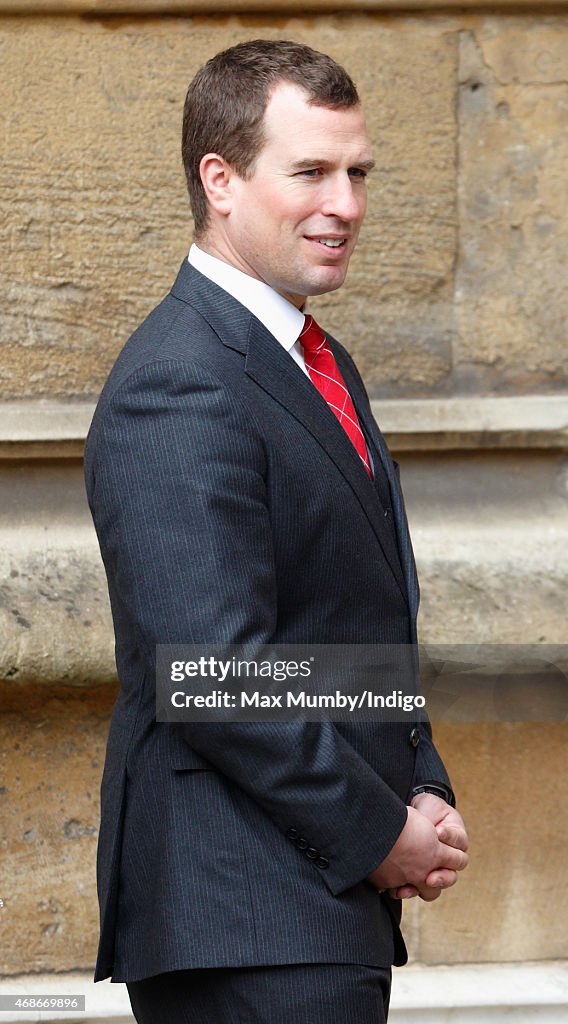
<point>225,104</point>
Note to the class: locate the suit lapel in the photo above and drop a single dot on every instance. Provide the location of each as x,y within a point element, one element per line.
<point>387,465</point>
<point>276,373</point>
<point>273,370</point>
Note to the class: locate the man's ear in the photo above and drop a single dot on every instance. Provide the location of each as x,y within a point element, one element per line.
<point>216,176</point>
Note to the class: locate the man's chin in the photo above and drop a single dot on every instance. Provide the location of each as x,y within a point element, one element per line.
<point>327,280</point>
<point>321,281</point>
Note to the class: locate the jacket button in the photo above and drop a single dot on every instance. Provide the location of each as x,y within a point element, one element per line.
<point>312,853</point>
<point>292,833</point>
<point>322,863</point>
<point>302,843</point>
<point>415,737</point>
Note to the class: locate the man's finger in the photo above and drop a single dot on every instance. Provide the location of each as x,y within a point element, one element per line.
<point>450,857</point>
<point>452,835</point>
<point>403,892</point>
<point>441,878</point>
<point>429,893</point>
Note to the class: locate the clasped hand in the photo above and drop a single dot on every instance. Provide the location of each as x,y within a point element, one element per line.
<point>428,853</point>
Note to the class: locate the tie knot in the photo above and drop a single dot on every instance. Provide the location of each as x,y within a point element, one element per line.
<point>312,337</point>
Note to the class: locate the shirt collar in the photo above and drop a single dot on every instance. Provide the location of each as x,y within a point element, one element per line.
<point>279,316</point>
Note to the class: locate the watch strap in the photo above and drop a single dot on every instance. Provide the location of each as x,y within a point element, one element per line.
<point>438,789</point>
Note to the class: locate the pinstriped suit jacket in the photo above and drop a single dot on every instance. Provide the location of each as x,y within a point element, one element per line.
<point>230,507</point>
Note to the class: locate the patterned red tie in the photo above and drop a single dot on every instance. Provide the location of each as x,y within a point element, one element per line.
<point>324,372</point>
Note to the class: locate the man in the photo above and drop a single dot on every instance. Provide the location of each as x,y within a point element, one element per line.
<point>242,493</point>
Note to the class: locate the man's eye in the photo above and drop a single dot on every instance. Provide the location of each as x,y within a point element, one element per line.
<point>357,172</point>
<point>311,172</point>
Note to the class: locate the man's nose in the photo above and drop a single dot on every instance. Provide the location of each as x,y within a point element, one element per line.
<point>341,200</point>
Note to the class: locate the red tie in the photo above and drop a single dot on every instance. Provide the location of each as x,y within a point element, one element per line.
<point>324,372</point>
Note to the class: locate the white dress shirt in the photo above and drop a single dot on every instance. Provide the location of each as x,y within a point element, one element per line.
<point>279,316</point>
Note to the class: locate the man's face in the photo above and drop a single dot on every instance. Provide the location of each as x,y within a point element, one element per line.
<point>294,223</point>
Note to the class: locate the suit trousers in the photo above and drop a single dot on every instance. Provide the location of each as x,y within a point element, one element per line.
<point>310,993</point>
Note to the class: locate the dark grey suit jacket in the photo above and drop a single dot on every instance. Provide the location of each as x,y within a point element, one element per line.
<point>231,507</point>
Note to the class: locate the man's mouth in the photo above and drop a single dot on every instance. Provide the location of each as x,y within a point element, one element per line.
<point>330,243</point>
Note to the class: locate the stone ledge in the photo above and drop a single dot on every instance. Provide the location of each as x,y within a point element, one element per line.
<point>49,429</point>
<point>103,1001</point>
<point>427,424</point>
<point>44,429</point>
<point>481,994</point>
<point>477,588</point>
<point>212,7</point>
<point>515,993</point>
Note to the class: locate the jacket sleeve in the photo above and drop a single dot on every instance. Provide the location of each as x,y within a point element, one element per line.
<point>429,766</point>
<point>176,476</point>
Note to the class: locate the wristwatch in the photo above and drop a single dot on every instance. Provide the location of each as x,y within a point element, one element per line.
<point>438,789</point>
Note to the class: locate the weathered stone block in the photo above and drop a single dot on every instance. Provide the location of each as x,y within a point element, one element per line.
<point>458,283</point>
<point>508,778</point>
<point>94,206</point>
<point>511,295</point>
<point>398,301</point>
<point>55,623</point>
<point>511,902</point>
<point>52,751</point>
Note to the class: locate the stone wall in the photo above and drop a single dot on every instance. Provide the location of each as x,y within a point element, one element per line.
<point>459,282</point>
<point>458,309</point>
